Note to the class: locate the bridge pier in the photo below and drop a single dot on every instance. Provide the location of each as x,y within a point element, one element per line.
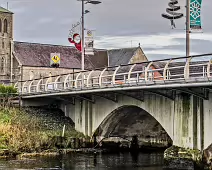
<point>188,125</point>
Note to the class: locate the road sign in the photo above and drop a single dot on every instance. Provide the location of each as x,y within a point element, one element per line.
<point>55,58</point>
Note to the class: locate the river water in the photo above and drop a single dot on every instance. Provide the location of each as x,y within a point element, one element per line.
<point>81,161</point>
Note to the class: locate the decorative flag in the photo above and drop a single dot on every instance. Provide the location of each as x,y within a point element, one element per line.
<point>89,43</point>
<point>74,36</point>
<point>195,15</point>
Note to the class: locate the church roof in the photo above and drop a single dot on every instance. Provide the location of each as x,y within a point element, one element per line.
<point>5,10</point>
<point>121,56</point>
<point>38,55</point>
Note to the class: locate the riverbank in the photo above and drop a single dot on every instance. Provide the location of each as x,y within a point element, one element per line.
<point>31,130</point>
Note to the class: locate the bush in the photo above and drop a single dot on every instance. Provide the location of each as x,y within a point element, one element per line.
<point>7,93</point>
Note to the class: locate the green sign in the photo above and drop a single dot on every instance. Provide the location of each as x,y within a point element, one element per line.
<point>195,15</point>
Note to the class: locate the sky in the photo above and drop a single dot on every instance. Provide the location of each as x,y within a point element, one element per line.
<point>117,24</point>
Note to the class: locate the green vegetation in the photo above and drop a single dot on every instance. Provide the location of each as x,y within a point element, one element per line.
<point>22,132</point>
<point>7,94</point>
<point>30,130</point>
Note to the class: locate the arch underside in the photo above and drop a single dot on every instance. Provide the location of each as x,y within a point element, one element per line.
<point>127,121</point>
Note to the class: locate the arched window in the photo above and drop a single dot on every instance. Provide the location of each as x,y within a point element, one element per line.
<point>5,25</point>
<point>2,65</point>
<point>0,26</point>
<point>3,44</point>
<point>50,76</point>
<point>31,75</point>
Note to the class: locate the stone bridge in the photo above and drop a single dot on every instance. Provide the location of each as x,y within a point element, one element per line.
<point>176,93</point>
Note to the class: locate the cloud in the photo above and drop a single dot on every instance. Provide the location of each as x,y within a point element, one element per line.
<point>118,24</point>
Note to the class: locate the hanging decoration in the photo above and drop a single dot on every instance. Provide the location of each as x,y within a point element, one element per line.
<point>195,15</point>
<point>172,13</point>
<point>74,36</point>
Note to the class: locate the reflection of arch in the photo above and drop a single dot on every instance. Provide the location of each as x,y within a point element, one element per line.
<point>129,120</point>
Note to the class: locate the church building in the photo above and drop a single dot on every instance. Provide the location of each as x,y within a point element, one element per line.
<point>21,61</point>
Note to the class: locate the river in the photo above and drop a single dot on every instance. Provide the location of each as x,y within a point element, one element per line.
<point>81,161</point>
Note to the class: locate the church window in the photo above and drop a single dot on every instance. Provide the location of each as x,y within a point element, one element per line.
<point>2,44</point>
<point>2,65</point>
<point>31,75</point>
<point>0,26</point>
<point>5,26</point>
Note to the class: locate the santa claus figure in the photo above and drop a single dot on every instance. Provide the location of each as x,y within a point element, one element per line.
<point>76,40</point>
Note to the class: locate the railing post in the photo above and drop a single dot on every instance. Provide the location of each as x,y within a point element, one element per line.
<point>114,75</point>
<point>186,68</point>
<point>129,73</point>
<point>100,77</point>
<point>30,85</point>
<point>88,78</point>
<point>65,81</point>
<point>38,85</point>
<point>146,71</point>
<point>46,84</point>
<point>56,81</point>
<point>76,80</point>
<point>24,86</point>
<point>165,74</point>
<point>209,69</point>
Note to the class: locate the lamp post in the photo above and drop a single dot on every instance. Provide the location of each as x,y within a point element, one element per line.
<point>83,28</point>
<point>187,28</point>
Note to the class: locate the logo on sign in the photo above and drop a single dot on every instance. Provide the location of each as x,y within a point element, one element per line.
<point>55,59</point>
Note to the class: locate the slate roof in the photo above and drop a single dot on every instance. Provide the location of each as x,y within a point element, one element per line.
<point>38,55</point>
<point>5,10</point>
<point>121,56</point>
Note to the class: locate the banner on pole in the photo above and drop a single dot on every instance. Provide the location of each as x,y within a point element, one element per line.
<point>74,36</point>
<point>89,43</point>
<point>195,15</point>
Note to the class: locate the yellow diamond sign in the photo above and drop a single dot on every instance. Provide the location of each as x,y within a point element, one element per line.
<point>55,58</point>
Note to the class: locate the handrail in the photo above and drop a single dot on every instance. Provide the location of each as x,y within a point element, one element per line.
<point>133,75</point>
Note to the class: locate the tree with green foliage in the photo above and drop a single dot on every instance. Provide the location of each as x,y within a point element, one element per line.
<point>7,94</point>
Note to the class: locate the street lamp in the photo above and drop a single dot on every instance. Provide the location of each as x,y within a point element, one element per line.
<point>187,28</point>
<point>83,27</point>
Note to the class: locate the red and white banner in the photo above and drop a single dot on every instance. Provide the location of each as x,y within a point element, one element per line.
<point>75,37</point>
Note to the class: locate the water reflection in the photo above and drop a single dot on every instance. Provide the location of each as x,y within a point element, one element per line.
<point>118,161</point>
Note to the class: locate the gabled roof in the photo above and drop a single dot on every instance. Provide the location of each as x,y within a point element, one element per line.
<point>121,56</point>
<point>5,10</point>
<point>38,55</point>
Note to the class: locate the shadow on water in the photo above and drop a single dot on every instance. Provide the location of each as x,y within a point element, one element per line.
<point>101,161</point>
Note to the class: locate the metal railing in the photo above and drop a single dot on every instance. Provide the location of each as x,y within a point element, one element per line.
<point>183,69</point>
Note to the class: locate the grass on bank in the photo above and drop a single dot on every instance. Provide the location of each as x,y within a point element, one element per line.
<point>22,132</point>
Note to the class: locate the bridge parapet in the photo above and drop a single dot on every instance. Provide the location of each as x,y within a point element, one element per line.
<point>182,70</point>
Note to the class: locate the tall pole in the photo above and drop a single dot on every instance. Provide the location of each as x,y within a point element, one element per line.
<point>187,28</point>
<point>83,50</point>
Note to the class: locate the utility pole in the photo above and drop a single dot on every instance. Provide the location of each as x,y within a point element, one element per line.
<point>82,41</point>
<point>187,28</point>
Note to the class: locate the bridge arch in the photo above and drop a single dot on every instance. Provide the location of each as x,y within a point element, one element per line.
<point>161,108</point>
<point>129,120</point>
